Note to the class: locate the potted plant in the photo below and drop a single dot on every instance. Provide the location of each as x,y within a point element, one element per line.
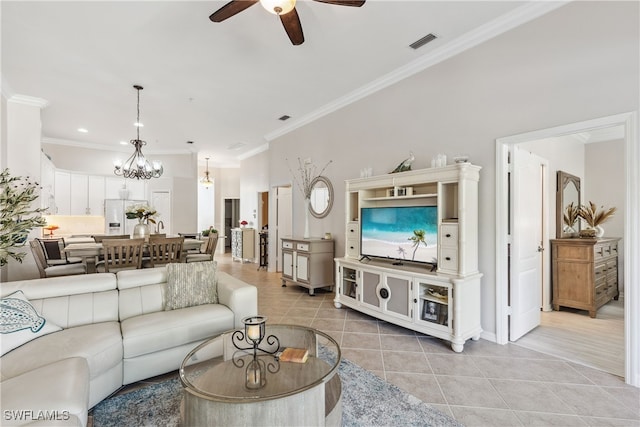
<point>594,217</point>
<point>210,230</point>
<point>17,217</point>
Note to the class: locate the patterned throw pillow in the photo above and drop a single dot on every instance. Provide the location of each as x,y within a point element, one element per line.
<point>191,284</point>
<point>20,322</point>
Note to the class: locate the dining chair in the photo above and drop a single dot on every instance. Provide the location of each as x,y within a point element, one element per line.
<point>207,253</point>
<point>55,270</point>
<point>53,252</point>
<point>121,254</point>
<point>100,237</point>
<point>189,235</point>
<point>164,250</point>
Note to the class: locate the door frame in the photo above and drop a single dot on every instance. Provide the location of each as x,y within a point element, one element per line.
<point>631,233</point>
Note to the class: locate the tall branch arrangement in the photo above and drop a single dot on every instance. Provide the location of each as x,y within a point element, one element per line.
<point>307,172</point>
<point>594,216</point>
<point>17,217</point>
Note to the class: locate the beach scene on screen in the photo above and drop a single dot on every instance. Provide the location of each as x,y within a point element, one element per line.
<point>392,232</point>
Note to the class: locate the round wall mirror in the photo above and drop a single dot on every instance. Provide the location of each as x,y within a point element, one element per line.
<point>321,197</point>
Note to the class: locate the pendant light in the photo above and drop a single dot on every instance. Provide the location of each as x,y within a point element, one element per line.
<point>137,166</point>
<point>206,180</point>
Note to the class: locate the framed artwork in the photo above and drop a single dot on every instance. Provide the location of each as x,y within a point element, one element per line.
<point>431,311</point>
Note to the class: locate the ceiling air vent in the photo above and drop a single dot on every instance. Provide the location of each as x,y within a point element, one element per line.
<point>421,42</point>
<point>236,146</point>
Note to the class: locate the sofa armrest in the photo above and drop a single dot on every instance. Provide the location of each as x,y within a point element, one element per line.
<point>240,297</point>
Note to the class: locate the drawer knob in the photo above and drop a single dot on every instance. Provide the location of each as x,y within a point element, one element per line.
<point>447,235</point>
<point>448,258</point>
<point>384,293</point>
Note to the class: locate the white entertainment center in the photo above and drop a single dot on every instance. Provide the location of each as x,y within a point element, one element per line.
<point>441,299</point>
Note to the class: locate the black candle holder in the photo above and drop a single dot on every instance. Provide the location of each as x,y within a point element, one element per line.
<point>254,335</point>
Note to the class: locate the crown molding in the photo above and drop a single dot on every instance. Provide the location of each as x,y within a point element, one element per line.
<point>257,150</point>
<point>500,25</point>
<point>31,101</point>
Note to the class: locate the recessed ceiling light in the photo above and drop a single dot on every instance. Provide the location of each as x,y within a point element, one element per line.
<point>82,130</point>
<point>138,124</point>
<point>123,143</point>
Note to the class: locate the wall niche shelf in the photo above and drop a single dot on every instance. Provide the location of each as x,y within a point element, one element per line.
<point>445,302</point>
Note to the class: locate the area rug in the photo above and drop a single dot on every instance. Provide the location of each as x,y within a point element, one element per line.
<point>367,400</point>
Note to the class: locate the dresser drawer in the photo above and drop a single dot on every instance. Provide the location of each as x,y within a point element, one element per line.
<point>353,248</point>
<point>449,259</point>
<point>449,235</point>
<point>600,272</point>
<point>287,245</point>
<point>605,250</point>
<point>302,247</point>
<point>353,230</point>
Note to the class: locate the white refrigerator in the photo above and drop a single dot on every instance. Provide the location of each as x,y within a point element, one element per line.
<point>115,220</point>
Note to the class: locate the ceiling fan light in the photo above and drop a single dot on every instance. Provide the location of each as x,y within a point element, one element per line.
<point>278,7</point>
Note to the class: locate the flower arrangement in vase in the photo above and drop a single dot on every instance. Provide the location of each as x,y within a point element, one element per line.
<point>145,214</point>
<point>594,217</point>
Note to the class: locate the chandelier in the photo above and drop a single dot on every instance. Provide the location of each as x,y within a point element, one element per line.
<point>206,180</point>
<point>137,166</point>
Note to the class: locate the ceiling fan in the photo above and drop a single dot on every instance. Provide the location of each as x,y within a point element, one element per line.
<point>285,9</point>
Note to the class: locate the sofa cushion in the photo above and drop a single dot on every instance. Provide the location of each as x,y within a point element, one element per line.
<point>53,395</point>
<point>162,330</point>
<point>100,344</point>
<point>190,285</point>
<point>20,322</point>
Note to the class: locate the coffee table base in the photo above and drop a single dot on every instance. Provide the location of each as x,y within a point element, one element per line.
<point>317,406</point>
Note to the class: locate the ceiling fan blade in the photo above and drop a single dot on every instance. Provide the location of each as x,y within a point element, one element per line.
<point>354,3</point>
<point>230,9</point>
<point>292,26</point>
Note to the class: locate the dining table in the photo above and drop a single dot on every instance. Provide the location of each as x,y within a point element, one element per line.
<point>89,251</point>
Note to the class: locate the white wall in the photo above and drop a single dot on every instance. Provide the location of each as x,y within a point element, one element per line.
<point>554,70</point>
<point>565,154</point>
<point>604,185</point>
<point>22,148</point>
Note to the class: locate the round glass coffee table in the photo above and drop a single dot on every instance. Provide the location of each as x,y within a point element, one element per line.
<point>225,385</point>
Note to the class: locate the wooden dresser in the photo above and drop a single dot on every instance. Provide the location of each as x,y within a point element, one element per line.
<point>584,272</point>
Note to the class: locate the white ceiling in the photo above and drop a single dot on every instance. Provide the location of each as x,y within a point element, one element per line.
<point>218,84</point>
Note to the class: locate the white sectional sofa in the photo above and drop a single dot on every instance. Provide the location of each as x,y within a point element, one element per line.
<point>115,331</point>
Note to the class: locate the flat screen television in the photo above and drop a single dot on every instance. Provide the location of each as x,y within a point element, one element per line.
<point>401,233</point>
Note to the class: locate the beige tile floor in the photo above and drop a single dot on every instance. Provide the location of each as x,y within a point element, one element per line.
<point>486,385</point>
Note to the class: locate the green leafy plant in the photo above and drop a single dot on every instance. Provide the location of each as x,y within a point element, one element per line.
<point>208,231</point>
<point>418,237</point>
<point>594,216</point>
<point>17,216</point>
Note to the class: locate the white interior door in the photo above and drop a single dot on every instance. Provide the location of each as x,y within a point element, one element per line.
<point>527,244</point>
<point>284,221</point>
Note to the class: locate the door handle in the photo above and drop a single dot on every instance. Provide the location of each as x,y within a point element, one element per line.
<point>540,248</point>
